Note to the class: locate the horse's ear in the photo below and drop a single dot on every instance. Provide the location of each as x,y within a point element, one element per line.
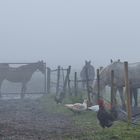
<point>111,61</point>
<point>41,61</point>
<point>119,60</point>
<point>101,68</point>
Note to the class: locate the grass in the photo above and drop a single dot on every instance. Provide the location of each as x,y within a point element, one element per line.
<point>87,120</point>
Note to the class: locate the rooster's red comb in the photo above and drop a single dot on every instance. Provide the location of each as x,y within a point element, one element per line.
<point>101,102</point>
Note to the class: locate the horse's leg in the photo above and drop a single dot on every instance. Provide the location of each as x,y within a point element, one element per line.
<point>122,97</point>
<point>135,94</point>
<point>115,92</point>
<point>0,89</point>
<point>83,85</point>
<point>102,92</point>
<point>131,92</point>
<point>23,90</point>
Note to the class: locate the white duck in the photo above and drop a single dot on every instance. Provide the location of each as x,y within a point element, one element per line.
<point>77,107</point>
<point>94,108</point>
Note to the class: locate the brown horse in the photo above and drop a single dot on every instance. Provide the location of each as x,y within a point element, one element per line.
<point>21,74</point>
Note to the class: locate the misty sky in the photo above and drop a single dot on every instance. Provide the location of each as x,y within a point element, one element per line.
<point>67,32</point>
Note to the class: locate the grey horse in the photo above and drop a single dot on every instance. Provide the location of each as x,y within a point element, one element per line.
<point>119,78</point>
<point>87,74</point>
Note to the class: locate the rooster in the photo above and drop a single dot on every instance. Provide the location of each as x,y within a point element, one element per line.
<point>106,117</point>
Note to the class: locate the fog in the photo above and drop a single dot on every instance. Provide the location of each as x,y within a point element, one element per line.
<point>63,32</point>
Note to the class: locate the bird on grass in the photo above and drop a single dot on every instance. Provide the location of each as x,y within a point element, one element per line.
<point>106,117</point>
<point>59,99</point>
<point>94,108</point>
<point>77,107</point>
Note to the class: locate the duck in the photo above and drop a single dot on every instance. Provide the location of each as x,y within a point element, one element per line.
<point>77,107</point>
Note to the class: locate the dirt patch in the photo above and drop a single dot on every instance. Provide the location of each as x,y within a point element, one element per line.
<point>26,120</point>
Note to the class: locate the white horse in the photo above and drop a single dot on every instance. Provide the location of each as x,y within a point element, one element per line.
<point>119,78</point>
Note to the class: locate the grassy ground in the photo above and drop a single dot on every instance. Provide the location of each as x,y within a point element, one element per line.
<point>87,120</point>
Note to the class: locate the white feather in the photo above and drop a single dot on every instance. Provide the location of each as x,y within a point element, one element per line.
<point>94,108</point>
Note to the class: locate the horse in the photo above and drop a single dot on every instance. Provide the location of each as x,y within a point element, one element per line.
<point>87,74</point>
<point>23,74</point>
<point>119,79</point>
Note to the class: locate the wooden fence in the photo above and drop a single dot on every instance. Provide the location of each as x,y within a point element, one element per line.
<point>68,81</point>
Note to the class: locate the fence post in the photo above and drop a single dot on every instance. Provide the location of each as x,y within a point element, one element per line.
<point>98,84</point>
<point>66,80</point>
<point>58,80</point>
<point>87,85</point>
<point>63,76</point>
<point>127,91</point>
<point>112,89</point>
<point>48,80</point>
<point>45,79</point>
<point>69,88</point>
<point>75,83</point>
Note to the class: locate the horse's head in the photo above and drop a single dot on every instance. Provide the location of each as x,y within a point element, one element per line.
<point>105,75</point>
<point>4,65</point>
<point>4,68</point>
<point>87,63</point>
<point>41,66</point>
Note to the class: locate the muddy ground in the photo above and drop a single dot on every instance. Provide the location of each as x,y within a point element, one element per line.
<point>26,120</point>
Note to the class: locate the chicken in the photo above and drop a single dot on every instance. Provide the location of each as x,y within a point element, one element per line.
<point>106,117</point>
<point>59,99</point>
<point>94,108</point>
<point>77,107</point>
